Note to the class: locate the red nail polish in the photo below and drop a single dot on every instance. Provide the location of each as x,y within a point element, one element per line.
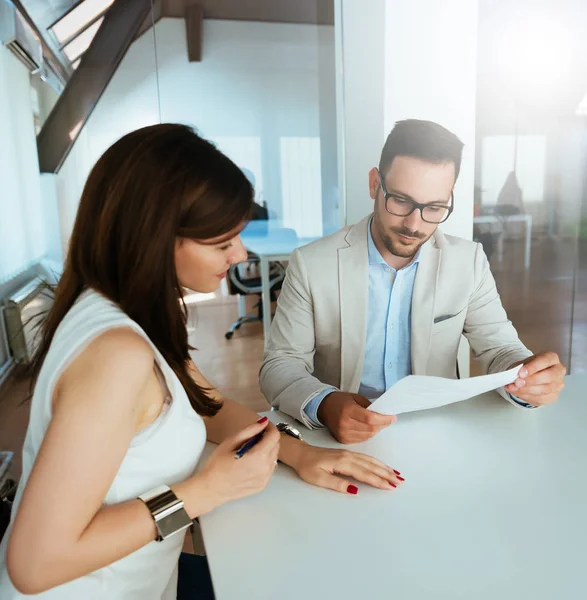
<point>400,478</point>
<point>352,489</point>
<point>396,472</point>
<point>392,484</point>
<point>262,420</point>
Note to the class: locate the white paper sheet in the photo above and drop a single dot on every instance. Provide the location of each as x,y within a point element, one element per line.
<point>419,392</point>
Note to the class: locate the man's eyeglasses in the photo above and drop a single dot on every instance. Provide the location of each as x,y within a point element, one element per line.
<point>400,206</point>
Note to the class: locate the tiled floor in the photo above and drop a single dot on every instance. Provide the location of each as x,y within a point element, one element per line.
<point>539,302</point>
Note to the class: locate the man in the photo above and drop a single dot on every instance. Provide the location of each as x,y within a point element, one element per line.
<point>391,296</point>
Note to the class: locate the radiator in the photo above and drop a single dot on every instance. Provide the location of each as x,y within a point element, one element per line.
<point>5,360</point>
<point>24,312</point>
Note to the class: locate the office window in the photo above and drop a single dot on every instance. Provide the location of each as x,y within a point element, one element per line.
<point>244,151</point>
<point>82,42</point>
<point>301,185</point>
<point>75,21</point>
<point>498,162</point>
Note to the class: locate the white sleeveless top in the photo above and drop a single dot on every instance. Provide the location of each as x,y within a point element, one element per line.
<point>165,452</point>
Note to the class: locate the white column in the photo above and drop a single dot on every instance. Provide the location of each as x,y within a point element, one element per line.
<point>360,45</point>
<point>431,73</point>
<point>328,120</point>
<point>404,60</point>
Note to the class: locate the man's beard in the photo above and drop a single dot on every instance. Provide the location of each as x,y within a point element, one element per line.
<point>397,248</point>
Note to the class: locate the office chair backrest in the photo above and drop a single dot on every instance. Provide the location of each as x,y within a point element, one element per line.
<point>245,278</point>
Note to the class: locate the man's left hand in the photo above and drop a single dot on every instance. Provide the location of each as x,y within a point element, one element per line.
<point>540,380</point>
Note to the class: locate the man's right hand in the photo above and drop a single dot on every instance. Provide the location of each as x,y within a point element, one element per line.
<point>348,419</point>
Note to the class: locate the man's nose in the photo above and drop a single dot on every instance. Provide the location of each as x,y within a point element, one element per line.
<point>413,221</point>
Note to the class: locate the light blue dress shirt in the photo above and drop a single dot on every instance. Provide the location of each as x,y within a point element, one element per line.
<point>388,344</point>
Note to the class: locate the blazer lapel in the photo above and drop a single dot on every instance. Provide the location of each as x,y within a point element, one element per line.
<point>423,300</point>
<point>353,277</point>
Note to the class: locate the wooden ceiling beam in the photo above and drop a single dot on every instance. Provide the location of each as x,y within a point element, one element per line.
<point>194,18</point>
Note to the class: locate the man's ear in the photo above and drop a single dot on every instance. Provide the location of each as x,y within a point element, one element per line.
<point>374,184</point>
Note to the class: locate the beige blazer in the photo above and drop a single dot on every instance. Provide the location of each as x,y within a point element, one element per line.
<point>317,337</point>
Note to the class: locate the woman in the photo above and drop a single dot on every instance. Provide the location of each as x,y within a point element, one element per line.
<point>119,408</point>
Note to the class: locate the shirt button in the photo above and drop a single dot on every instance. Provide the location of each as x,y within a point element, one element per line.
<point>389,365</point>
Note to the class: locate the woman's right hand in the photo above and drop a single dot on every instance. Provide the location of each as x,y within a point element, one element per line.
<point>227,478</point>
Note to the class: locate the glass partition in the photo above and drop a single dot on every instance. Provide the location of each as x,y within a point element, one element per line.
<point>530,172</point>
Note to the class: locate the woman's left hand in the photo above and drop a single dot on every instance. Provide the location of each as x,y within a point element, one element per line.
<point>327,468</point>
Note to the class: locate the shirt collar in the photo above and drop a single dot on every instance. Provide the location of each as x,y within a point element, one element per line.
<point>375,257</point>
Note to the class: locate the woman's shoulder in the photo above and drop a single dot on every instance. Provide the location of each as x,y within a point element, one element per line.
<point>118,349</point>
<point>97,340</point>
<point>118,360</point>
<point>119,342</point>
<point>91,316</point>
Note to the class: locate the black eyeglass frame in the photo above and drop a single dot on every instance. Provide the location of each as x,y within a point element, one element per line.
<point>415,205</point>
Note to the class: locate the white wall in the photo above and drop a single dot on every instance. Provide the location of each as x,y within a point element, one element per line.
<point>22,236</point>
<point>69,184</point>
<point>329,113</point>
<point>407,60</point>
<point>256,93</point>
<point>130,101</point>
<point>430,73</point>
<point>362,97</point>
<point>22,212</point>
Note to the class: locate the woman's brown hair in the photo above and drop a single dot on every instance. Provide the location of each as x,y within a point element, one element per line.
<point>152,186</point>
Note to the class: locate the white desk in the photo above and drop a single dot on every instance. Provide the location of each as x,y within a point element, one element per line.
<point>526,219</point>
<point>270,249</point>
<point>494,508</point>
